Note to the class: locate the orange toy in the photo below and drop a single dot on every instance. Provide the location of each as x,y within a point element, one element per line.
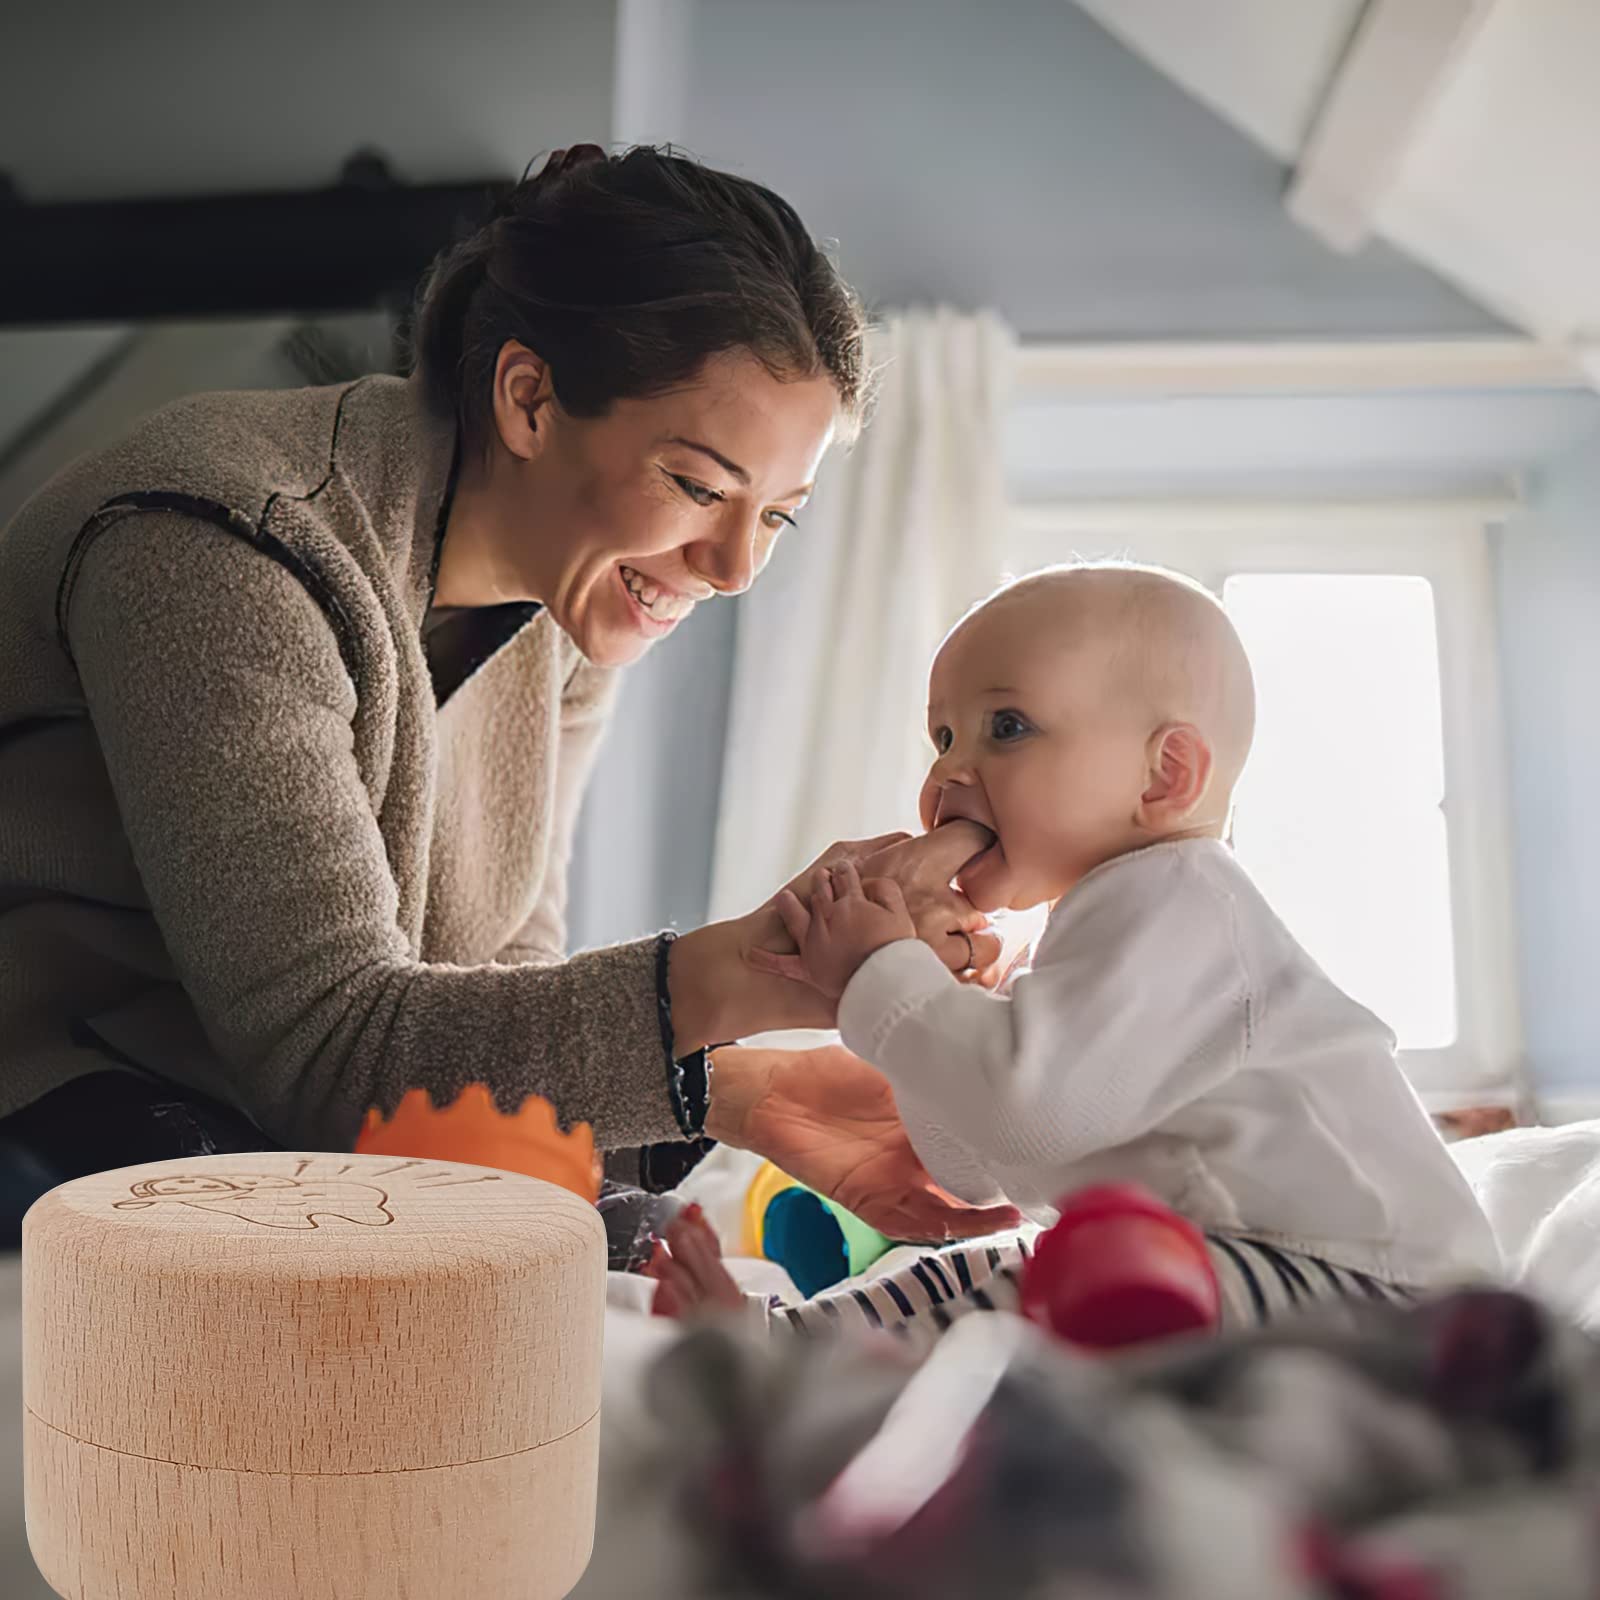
<point>473,1130</point>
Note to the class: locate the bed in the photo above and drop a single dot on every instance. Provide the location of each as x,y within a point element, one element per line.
<point>1540,1187</point>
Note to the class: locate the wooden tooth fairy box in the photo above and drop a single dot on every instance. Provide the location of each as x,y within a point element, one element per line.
<point>288,1376</point>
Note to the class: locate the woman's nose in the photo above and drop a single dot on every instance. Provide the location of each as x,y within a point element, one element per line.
<point>731,563</point>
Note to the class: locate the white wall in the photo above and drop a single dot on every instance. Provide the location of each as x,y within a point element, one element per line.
<point>1549,579</point>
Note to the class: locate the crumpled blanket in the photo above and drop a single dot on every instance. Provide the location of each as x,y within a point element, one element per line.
<point>1448,1451</point>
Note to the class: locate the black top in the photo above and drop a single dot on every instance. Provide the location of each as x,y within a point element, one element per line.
<point>457,640</point>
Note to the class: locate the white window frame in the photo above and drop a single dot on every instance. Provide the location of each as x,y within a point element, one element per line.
<point>1447,543</point>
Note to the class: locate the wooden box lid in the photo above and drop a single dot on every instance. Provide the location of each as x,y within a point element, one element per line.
<point>312,1313</point>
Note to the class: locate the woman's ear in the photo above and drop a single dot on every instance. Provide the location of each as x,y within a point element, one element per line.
<point>523,394</point>
<point>1178,776</point>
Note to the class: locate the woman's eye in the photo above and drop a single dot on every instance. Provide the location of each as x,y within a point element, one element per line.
<point>697,492</point>
<point>778,519</point>
<point>1008,725</point>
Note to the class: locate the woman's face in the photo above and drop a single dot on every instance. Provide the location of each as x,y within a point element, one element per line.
<point>621,524</point>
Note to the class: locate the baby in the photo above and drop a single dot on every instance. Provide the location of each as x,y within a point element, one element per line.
<point>1168,1030</point>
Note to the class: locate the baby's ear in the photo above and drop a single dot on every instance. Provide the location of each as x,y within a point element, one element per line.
<point>1178,777</point>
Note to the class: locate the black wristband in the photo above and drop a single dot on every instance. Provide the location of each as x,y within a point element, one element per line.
<point>688,1077</point>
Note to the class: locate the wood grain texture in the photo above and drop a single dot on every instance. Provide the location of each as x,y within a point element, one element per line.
<point>285,1376</point>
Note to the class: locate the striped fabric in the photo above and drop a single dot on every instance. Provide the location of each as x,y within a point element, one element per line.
<point>1260,1283</point>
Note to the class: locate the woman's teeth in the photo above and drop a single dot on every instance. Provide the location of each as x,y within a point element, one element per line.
<point>661,605</point>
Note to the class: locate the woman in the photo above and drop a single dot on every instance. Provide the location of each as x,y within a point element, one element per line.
<point>299,692</point>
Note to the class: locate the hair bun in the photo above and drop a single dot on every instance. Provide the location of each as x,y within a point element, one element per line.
<point>562,162</point>
<point>559,164</point>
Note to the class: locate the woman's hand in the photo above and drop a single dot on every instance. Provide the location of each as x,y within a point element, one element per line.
<point>922,865</point>
<point>731,979</point>
<point>829,1120</point>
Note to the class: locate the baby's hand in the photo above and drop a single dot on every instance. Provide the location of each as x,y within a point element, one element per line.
<point>846,921</point>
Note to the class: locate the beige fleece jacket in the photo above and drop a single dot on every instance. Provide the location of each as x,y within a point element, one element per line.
<point>239,845</point>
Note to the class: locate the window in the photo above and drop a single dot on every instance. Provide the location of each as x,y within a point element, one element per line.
<point>1373,813</point>
<point>1339,816</point>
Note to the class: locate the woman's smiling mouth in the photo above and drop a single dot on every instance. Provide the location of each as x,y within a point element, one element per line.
<point>662,607</point>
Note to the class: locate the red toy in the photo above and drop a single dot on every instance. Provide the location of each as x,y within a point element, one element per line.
<point>1119,1268</point>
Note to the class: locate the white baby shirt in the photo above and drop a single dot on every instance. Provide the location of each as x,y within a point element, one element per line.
<point>1171,1032</point>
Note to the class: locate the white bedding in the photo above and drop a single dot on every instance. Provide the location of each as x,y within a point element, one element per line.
<point>1541,1190</point>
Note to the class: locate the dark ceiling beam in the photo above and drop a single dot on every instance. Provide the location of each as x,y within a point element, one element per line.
<point>360,244</point>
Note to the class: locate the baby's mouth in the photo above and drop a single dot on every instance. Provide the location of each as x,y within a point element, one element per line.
<point>990,847</point>
<point>941,819</point>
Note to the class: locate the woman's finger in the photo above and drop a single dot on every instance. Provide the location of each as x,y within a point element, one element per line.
<point>860,849</point>
<point>932,1217</point>
<point>962,953</point>
<point>943,935</point>
<point>985,977</point>
<point>843,849</point>
<point>937,857</point>
<point>782,966</point>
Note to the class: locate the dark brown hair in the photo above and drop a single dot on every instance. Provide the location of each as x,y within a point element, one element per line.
<point>627,273</point>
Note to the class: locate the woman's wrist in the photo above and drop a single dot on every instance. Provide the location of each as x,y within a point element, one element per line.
<point>718,995</point>
<point>698,978</point>
<point>739,1080</point>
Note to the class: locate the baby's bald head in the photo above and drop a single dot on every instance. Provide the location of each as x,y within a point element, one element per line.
<point>1160,641</point>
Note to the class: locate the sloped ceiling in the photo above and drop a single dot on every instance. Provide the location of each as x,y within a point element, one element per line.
<point>1262,65</point>
<point>1489,122</point>
<point>1499,187</point>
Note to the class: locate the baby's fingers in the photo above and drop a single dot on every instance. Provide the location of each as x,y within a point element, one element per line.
<point>794,916</point>
<point>887,893</point>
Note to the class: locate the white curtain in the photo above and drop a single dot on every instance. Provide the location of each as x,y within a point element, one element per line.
<point>826,734</point>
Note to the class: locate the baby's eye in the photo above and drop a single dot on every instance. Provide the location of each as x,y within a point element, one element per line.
<point>1007,725</point>
<point>941,739</point>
